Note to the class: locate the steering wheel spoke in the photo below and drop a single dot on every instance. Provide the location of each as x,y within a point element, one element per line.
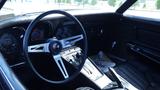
<point>61,65</point>
<point>67,42</point>
<point>38,48</point>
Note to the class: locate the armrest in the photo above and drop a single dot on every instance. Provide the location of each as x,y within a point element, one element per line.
<point>146,52</point>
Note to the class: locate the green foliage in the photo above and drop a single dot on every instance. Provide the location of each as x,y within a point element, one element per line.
<point>93,2</point>
<point>120,3</point>
<point>112,2</point>
<point>136,4</point>
<point>62,1</point>
<point>68,1</point>
<point>144,5</point>
<point>58,1</point>
<point>158,4</point>
<point>79,1</point>
<point>85,1</point>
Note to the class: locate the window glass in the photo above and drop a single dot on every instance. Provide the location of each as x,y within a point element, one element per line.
<point>18,7</point>
<point>145,8</point>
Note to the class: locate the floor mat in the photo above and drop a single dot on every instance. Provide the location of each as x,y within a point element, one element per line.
<point>138,76</point>
<point>135,72</point>
<point>102,61</point>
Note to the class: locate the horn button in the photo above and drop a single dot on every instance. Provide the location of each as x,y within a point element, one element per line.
<point>55,47</point>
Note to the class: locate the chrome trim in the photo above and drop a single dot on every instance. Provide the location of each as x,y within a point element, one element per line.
<point>67,42</point>
<point>61,65</point>
<point>9,76</point>
<point>17,64</point>
<point>38,48</point>
<point>5,77</point>
<point>92,72</point>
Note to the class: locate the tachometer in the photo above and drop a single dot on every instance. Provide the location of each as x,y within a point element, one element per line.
<point>65,29</point>
<point>8,44</point>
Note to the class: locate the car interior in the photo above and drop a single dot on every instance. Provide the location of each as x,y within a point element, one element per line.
<point>67,50</point>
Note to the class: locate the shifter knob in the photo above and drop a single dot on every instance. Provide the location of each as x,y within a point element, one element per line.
<point>101,56</point>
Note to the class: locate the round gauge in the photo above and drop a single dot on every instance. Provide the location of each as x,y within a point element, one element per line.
<point>65,30</point>
<point>8,44</point>
<point>42,31</point>
<point>37,34</point>
<point>63,33</point>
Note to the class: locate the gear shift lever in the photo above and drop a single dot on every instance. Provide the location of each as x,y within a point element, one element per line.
<point>100,55</point>
<point>115,78</point>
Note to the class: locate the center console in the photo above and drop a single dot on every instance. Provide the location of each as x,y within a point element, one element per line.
<point>95,75</point>
<point>91,71</point>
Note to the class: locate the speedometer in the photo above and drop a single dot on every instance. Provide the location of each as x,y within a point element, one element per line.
<point>41,31</point>
<point>37,34</point>
<point>66,29</point>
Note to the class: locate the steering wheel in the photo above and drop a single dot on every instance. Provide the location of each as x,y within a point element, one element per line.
<point>55,47</point>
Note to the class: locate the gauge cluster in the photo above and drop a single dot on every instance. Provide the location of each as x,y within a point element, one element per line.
<point>11,39</point>
<point>10,43</point>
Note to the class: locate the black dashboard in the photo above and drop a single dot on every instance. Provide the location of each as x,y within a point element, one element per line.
<point>12,33</point>
<point>11,38</point>
<point>11,44</point>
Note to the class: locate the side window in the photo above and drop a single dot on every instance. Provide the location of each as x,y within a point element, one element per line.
<point>145,8</point>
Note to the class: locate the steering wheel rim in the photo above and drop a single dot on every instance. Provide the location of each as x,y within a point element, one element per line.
<point>27,35</point>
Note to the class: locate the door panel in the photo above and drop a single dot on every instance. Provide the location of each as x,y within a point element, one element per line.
<point>141,36</point>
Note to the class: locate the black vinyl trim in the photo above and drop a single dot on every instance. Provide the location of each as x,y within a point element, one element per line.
<point>125,6</point>
<point>2,3</point>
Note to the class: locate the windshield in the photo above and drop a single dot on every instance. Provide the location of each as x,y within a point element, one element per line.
<point>19,7</point>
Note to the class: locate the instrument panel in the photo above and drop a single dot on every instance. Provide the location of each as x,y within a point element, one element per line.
<point>11,39</point>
